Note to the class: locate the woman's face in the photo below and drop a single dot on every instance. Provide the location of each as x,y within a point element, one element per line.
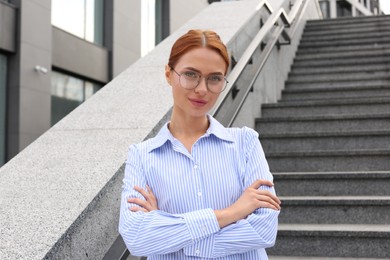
<point>198,101</point>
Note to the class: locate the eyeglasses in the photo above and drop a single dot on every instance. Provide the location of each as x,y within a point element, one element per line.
<point>189,79</point>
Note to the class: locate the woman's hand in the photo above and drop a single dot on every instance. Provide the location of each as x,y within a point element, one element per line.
<point>251,199</point>
<point>147,205</point>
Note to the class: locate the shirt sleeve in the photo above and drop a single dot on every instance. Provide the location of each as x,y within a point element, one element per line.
<point>259,229</point>
<point>158,232</point>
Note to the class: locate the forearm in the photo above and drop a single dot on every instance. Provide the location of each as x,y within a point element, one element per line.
<point>256,231</point>
<point>143,232</point>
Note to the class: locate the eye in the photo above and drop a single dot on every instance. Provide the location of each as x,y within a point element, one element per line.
<point>215,78</point>
<point>191,75</point>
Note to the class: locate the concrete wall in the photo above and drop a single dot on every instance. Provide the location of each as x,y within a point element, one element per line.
<point>182,11</point>
<point>65,187</point>
<point>78,56</point>
<point>7,27</point>
<point>29,90</point>
<point>127,34</point>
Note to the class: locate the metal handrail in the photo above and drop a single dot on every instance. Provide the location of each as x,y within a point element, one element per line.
<point>228,118</point>
<point>118,250</point>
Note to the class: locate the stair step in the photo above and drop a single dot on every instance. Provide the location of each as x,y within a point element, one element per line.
<point>343,49</point>
<point>328,123</point>
<point>332,241</point>
<point>325,141</point>
<point>327,107</point>
<point>340,83</point>
<point>368,28</point>
<point>340,77</point>
<point>271,257</point>
<point>380,53</point>
<point>334,36</point>
<point>348,22</point>
<point>352,68</point>
<point>358,41</point>
<point>362,60</point>
<point>318,93</point>
<point>363,183</point>
<point>335,210</point>
<point>337,160</point>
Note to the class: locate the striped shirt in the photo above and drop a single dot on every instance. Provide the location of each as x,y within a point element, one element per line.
<point>189,187</point>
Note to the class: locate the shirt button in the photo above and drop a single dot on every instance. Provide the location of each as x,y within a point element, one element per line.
<point>199,194</point>
<point>196,167</point>
<point>197,251</point>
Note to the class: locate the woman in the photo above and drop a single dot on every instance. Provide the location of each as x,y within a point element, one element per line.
<point>198,190</point>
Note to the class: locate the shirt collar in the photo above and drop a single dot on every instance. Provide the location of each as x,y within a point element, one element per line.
<point>215,128</point>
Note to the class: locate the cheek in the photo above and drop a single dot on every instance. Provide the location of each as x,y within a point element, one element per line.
<point>213,98</point>
<point>177,91</point>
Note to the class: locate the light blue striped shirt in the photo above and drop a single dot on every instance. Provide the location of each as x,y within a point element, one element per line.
<point>188,188</point>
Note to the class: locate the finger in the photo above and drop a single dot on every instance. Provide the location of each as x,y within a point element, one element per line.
<point>150,194</point>
<point>149,197</point>
<point>269,194</point>
<point>142,191</point>
<point>136,209</point>
<point>268,200</point>
<point>152,199</point>
<point>269,206</point>
<point>257,183</point>
<point>149,190</point>
<point>139,202</point>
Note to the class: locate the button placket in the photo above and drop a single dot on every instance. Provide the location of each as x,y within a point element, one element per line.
<point>197,172</point>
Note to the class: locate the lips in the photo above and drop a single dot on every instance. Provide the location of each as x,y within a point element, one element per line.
<point>198,102</point>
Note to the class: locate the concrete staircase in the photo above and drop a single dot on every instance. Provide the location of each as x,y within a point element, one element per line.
<point>328,143</point>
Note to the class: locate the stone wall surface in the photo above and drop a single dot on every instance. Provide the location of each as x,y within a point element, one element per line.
<point>59,197</point>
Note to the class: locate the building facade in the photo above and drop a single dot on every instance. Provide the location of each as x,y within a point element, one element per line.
<point>55,54</point>
<point>345,8</point>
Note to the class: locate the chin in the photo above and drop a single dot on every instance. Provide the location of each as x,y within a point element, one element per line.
<point>198,113</point>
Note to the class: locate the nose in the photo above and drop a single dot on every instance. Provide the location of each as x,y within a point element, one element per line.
<point>201,89</point>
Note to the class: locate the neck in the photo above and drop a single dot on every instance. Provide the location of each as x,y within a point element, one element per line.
<point>188,126</point>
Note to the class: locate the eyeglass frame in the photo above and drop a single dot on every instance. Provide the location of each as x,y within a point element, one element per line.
<point>200,79</point>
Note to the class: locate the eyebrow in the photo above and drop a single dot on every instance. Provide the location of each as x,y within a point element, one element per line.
<point>196,70</point>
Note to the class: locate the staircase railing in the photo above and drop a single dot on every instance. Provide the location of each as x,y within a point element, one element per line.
<point>277,30</point>
<point>273,30</point>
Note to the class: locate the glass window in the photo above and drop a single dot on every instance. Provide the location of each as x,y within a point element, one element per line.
<point>325,9</point>
<point>148,26</point>
<point>67,93</point>
<point>344,8</point>
<point>162,20</point>
<point>3,107</point>
<point>83,18</point>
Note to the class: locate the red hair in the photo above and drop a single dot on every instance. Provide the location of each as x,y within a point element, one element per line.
<point>197,39</point>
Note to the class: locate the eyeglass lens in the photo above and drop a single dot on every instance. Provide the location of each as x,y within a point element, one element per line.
<point>215,83</point>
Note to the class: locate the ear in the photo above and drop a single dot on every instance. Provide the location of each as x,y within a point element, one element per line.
<point>168,74</point>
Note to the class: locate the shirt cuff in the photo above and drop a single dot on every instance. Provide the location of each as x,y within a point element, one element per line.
<point>201,223</point>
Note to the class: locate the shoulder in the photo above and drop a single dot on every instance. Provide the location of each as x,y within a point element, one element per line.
<point>247,140</point>
<point>243,134</point>
<point>155,142</point>
<point>144,146</point>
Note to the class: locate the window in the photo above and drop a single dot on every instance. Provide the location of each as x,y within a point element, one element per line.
<point>148,26</point>
<point>162,20</point>
<point>344,8</point>
<point>3,107</point>
<point>325,9</point>
<point>67,93</point>
<point>83,18</point>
